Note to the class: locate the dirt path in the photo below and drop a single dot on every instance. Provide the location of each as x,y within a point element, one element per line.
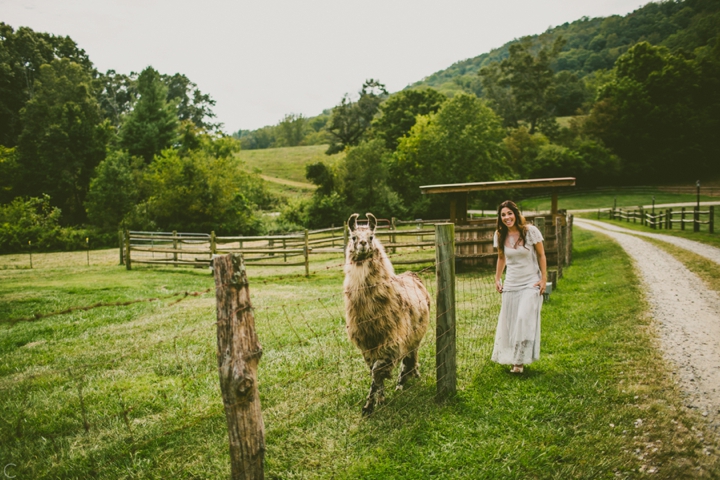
<point>686,311</point>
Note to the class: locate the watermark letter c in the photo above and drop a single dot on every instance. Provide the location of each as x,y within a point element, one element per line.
<point>5,470</point>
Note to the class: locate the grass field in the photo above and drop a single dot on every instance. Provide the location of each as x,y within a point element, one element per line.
<point>132,391</point>
<point>624,199</point>
<point>287,162</point>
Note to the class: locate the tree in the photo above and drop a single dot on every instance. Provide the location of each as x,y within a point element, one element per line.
<point>350,120</point>
<point>192,104</point>
<point>63,138</point>
<point>529,78</point>
<point>113,191</point>
<point>116,95</point>
<point>22,53</point>
<point>460,143</point>
<point>291,130</point>
<point>398,112</point>
<point>152,124</point>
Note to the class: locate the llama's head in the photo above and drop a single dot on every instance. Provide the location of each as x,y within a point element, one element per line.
<point>361,244</point>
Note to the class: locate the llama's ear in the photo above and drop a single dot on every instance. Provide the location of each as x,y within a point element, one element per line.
<point>352,222</point>
<point>372,221</point>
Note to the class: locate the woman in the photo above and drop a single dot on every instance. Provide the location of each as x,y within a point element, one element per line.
<point>520,249</point>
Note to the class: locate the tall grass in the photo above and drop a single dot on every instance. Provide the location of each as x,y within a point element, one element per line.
<point>599,404</point>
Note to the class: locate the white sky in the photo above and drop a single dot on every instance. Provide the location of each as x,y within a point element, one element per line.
<point>262,59</point>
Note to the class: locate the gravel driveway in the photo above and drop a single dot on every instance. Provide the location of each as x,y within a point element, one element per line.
<point>686,311</point>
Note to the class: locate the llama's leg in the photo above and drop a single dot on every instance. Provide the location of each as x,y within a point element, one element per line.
<point>381,370</point>
<point>409,368</point>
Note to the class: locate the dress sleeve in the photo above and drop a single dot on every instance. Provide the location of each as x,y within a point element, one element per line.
<point>495,239</point>
<point>533,235</point>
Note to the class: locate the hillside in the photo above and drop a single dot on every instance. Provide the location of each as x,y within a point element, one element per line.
<point>594,44</point>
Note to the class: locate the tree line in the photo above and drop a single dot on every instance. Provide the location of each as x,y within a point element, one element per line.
<point>83,153</point>
<point>649,119</point>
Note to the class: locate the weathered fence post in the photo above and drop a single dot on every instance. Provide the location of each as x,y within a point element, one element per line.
<point>306,251</point>
<point>213,244</point>
<point>121,243</point>
<point>345,236</point>
<point>571,219</point>
<point>238,355</point>
<point>668,219</point>
<point>128,262</point>
<point>393,239</point>
<point>711,225</point>
<point>175,247</point>
<point>445,349</point>
<point>696,219</point>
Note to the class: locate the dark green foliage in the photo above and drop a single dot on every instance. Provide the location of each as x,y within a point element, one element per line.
<point>114,191</point>
<point>320,175</point>
<point>33,223</point>
<point>63,139</point>
<point>116,94</point>
<point>22,53</point>
<point>350,120</point>
<point>192,105</point>
<point>660,114</point>
<point>10,173</point>
<point>398,112</point>
<point>291,130</point>
<point>152,124</point>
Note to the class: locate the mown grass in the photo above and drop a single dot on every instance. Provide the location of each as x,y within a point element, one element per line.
<point>286,162</point>
<point>152,406</point>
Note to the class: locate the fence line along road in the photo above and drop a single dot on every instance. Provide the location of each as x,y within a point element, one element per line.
<point>664,218</point>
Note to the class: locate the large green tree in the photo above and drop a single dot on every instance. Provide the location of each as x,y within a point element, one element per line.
<point>152,124</point>
<point>460,143</point>
<point>398,112</point>
<point>63,137</point>
<point>350,120</point>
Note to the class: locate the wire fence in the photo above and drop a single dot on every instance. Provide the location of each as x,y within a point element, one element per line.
<point>115,399</point>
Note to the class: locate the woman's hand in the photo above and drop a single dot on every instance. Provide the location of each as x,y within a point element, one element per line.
<point>498,285</point>
<point>542,284</point>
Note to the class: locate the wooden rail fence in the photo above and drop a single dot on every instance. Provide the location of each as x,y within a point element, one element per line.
<point>473,242</point>
<point>664,218</point>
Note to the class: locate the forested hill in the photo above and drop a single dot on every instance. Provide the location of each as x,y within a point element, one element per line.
<point>595,43</point>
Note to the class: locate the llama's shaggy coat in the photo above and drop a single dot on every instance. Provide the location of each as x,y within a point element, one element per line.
<point>387,315</point>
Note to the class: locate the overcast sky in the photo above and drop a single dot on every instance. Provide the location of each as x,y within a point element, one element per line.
<point>262,59</point>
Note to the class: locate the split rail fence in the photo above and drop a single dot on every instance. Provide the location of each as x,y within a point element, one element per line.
<point>664,219</point>
<point>474,242</point>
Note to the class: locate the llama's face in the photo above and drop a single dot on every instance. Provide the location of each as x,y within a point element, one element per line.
<point>361,242</point>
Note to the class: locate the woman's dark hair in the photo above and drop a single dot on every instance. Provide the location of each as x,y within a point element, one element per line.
<point>502,228</point>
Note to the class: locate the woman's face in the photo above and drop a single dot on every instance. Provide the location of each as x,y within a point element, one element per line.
<point>507,216</point>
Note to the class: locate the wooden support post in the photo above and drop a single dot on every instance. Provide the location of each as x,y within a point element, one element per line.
<point>696,219</point>
<point>560,246</point>
<point>307,255</point>
<point>121,243</point>
<point>569,238</point>
<point>445,356</point>
<point>711,225</point>
<point>128,261</point>
<point>554,204</point>
<point>345,236</point>
<point>393,238</point>
<point>668,219</point>
<point>238,355</point>
<point>285,253</point>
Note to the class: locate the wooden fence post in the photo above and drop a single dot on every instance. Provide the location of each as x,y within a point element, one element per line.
<point>393,228</point>
<point>128,262</point>
<point>306,251</point>
<point>238,355</point>
<point>712,219</point>
<point>213,244</point>
<point>175,247</point>
<point>668,219</point>
<point>121,243</point>
<point>445,349</point>
<point>682,218</point>
<point>569,242</point>
<point>696,219</point>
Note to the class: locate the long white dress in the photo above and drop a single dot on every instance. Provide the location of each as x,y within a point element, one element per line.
<point>517,338</point>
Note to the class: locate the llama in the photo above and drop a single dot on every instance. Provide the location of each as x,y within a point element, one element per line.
<point>386,314</point>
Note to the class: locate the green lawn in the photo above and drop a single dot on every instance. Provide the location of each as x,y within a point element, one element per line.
<point>132,392</point>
